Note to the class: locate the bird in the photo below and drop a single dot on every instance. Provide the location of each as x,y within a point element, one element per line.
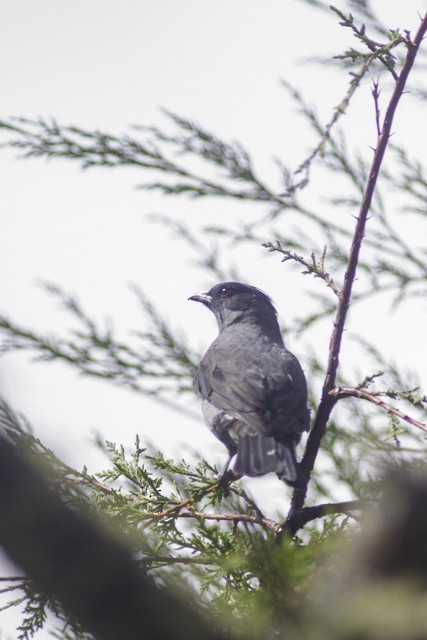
<point>253,390</point>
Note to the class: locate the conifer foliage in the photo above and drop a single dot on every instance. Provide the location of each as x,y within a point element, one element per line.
<point>154,547</point>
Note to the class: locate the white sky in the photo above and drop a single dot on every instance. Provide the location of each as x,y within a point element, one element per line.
<point>107,65</point>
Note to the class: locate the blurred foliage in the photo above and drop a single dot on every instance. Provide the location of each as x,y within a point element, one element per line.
<point>219,546</point>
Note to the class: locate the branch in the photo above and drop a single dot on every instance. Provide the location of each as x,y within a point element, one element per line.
<point>44,138</point>
<point>348,392</point>
<point>272,526</point>
<point>327,401</point>
<point>297,520</point>
<point>377,53</point>
<point>301,517</point>
<point>85,480</point>
<point>175,510</point>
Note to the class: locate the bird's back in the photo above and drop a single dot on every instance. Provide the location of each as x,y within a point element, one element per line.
<point>256,380</point>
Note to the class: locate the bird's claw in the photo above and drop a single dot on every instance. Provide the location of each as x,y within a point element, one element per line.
<point>225,479</point>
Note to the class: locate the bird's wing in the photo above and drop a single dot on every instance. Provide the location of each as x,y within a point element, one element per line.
<point>265,392</point>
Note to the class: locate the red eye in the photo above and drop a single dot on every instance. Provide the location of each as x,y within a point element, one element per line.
<point>225,291</point>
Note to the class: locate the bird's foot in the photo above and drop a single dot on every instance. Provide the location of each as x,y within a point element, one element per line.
<point>225,479</point>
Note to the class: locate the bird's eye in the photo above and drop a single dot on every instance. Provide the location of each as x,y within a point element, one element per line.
<point>225,291</point>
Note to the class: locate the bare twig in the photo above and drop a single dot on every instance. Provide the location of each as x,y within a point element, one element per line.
<point>328,401</point>
<point>348,392</point>
<point>376,96</point>
<point>316,267</point>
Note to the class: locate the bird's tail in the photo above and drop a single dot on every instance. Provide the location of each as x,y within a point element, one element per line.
<point>288,468</point>
<point>258,455</point>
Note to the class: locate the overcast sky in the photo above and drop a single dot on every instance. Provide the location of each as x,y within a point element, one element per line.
<point>108,65</point>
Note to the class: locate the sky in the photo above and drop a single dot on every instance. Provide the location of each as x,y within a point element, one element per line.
<point>109,65</point>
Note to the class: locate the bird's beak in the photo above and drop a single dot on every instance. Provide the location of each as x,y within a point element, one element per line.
<point>204,298</point>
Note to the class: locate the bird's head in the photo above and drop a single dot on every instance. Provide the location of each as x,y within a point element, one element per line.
<point>234,302</point>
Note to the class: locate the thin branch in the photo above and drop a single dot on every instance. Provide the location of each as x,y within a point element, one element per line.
<point>316,267</point>
<point>273,526</point>
<point>348,392</point>
<point>251,504</point>
<point>175,510</point>
<point>376,96</point>
<point>167,560</point>
<point>327,401</point>
<point>342,107</point>
<point>89,481</point>
<point>385,57</point>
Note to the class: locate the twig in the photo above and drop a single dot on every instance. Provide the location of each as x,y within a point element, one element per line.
<point>251,504</point>
<point>369,380</point>
<point>327,401</point>
<point>340,109</point>
<point>176,511</point>
<point>375,47</point>
<point>348,392</point>
<point>316,267</point>
<point>173,510</point>
<point>273,526</point>
<point>185,503</point>
<point>166,560</point>
<point>88,481</point>
<point>376,96</point>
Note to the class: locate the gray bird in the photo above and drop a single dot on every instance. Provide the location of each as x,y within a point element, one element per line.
<point>253,389</point>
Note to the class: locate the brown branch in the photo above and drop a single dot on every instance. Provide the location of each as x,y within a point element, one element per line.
<point>302,516</point>
<point>175,511</point>
<point>273,526</point>
<point>185,503</point>
<point>327,401</point>
<point>348,392</point>
<point>88,481</point>
<point>293,524</point>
